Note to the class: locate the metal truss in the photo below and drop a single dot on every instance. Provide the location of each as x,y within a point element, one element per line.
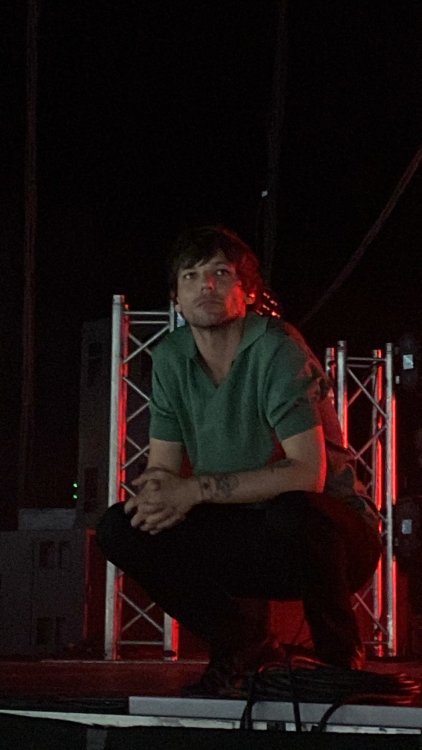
<point>131,619</point>
<point>365,406</point>
<point>366,410</point>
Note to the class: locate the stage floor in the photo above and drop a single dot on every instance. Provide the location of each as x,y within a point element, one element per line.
<point>145,693</point>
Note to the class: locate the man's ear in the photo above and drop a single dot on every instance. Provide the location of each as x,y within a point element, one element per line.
<point>250,298</point>
<point>175,301</point>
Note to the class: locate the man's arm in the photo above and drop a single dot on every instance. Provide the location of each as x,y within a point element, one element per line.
<point>302,469</point>
<point>163,468</point>
<point>165,454</point>
<point>164,498</point>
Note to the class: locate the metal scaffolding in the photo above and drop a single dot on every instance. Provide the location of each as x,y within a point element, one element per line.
<point>365,400</point>
<point>131,619</point>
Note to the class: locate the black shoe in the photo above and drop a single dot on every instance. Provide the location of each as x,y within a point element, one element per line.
<point>352,659</point>
<point>357,659</point>
<point>230,676</point>
<point>215,681</point>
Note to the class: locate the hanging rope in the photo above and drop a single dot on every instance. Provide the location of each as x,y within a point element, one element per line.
<point>370,236</point>
<point>26,426</point>
<point>269,196</point>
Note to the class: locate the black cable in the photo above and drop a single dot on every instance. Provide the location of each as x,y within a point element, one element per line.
<point>253,696</point>
<point>274,134</point>
<point>313,683</point>
<point>246,718</point>
<point>333,685</point>
<point>369,237</point>
<point>389,699</point>
<point>353,699</point>
<point>295,700</point>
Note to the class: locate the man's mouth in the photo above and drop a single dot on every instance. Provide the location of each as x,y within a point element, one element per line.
<point>208,302</point>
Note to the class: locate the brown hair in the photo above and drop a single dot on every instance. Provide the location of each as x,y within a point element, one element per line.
<point>202,243</point>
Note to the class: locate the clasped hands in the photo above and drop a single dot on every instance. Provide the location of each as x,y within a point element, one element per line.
<point>162,500</point>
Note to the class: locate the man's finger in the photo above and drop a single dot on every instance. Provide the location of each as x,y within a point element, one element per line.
<point>164,522</point>
<point>128,506</point>
<point>139,480</point>
<point>146,475</point>
<point>138,519</point>
<point>140,485</point>
<point>167,524</point>
<point>154,519</point>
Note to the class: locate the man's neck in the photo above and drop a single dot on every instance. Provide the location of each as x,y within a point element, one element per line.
<point>218,345</point>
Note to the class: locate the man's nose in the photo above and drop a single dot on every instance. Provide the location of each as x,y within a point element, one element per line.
<point>208,281</point>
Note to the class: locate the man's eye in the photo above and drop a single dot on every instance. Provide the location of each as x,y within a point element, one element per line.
<point>188,275</point>
<point>222,271</point>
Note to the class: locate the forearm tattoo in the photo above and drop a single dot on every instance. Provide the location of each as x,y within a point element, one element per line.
<point>217,488</point>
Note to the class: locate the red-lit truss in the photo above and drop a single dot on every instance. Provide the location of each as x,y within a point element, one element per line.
<point>365,400</point>
<point>364,385</point>
<point>132,620</point>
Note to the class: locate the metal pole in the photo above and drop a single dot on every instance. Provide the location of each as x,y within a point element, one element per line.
<point>377,463</point>
<point>171,629</point>
<point>329,362</point>
<point>113,466</point>
<point>390,491</point>
<point>342,389</point>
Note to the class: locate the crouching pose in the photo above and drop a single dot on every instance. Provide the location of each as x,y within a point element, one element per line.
<point>271,509</point>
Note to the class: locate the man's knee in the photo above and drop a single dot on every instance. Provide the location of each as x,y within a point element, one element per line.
<point>111,528</point>
<point>325,548</point>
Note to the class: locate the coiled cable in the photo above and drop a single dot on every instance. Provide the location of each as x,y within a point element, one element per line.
<point>326,684</point>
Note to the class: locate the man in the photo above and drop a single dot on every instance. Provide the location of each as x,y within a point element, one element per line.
<point>271,508</point>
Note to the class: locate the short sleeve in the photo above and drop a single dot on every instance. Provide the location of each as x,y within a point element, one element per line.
<point>292,392</point>
<point>164,424</point>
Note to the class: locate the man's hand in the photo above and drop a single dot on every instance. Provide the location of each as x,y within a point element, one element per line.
<point>163,500</point>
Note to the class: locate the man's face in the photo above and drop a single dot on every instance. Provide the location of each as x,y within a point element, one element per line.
<point>210,293</point>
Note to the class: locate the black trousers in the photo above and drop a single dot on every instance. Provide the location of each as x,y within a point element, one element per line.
<point>287,550</point>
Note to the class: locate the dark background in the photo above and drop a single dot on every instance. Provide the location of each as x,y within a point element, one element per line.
<point>152,116</point>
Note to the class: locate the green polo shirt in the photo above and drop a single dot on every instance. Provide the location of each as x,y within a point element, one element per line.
<point>276,388</point>
<point>271,393</point>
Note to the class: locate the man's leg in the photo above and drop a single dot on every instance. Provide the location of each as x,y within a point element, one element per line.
<point>188,569</point>
<point>195,570</point>
<point>328,567</point>
<point>327,593</point>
